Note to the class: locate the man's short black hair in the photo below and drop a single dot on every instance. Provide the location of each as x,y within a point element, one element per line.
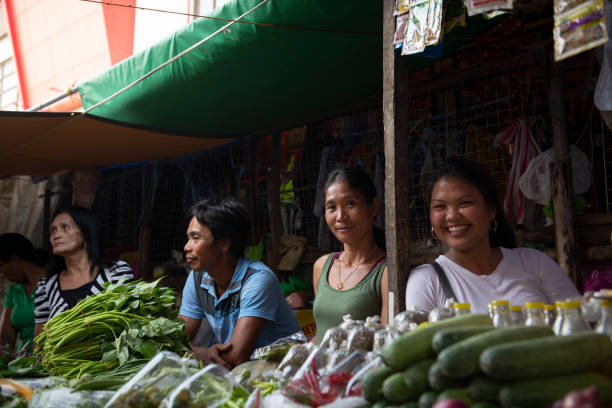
<point>226,219</point>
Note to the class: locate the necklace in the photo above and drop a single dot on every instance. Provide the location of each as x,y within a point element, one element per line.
<point>340,285</point>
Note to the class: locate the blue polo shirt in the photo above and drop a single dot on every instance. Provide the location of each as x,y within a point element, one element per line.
<point>254,291</point>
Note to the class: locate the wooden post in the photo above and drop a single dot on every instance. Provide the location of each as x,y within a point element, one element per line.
<point>396,169</point>
<point>47,217</point>
<point>149,187</point>
<point>275,217</point>
<point>560,171</point>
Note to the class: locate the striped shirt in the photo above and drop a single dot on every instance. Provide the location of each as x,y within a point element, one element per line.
<point>49,299</point>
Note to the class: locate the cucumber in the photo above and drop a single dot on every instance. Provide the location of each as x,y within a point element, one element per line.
<point>447,337</point>
<point>461,360</point>
<point>440,382</point>
<point>383,404</point>
<point>485,389</point>
<point>371,384</point>
<point>547,356</point>
<point>415,345</point>
<point>415,376</point>
<point>394,389</point>
<point>458,393</point>
<point>428,399</point>
<point>543,392</point>
<point>409,405</point>
<point>484,405</point>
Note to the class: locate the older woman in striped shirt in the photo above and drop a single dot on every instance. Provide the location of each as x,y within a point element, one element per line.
<point>77,269</point>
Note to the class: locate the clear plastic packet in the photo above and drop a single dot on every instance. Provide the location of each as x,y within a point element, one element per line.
<point>434,23</point>
<point>409,319</point>
<point>360,338</point>
<point>335,337</point>
<point>249,371</point>
<point>276,351</point>
<point>475,7</point>
<point>442,312</point>
<point>295,357</point>
<point>350,363</point>
<point>44,382</point>
<point>210,387</point>
<point>354,385</point>
<point>580,29</point>
<point>348,322</point>
<point>316,362</point>
<point>414,40</point>
<point>380,338</point>
<point>150,385</point>
<point>64,397</point>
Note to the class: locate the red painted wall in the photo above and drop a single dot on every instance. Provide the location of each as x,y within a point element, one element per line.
<point>58,43</point>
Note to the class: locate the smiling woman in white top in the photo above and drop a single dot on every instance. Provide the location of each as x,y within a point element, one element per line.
<point>482,262</point>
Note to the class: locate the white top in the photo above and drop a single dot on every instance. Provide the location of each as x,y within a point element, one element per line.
<point>523,275</point>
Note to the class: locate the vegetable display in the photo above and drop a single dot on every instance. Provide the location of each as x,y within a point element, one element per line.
<point>104,331</point>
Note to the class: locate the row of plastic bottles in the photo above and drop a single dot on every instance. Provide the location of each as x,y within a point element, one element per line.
<point>563,317</point>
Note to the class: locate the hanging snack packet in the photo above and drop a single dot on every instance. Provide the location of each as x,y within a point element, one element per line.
<point>403,6</point>
<point>400,30</point>
<point>434,22</point>
<point>414,41</point>
<point>580,29</point>
<point>454,15</point>
<point>564,5</point>
<point>475,7</point>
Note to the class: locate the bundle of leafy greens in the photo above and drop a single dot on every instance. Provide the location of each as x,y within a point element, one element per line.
<point>19,364</point>
<point>104,332</point>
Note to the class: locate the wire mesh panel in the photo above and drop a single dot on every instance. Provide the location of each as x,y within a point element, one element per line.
<point>463,119</point>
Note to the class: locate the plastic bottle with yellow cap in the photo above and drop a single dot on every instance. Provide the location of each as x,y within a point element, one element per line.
<point>550,314</point>
<point>604,325</point>
<point>501,313</point>
<point>573,322</point>
<point>462,309</point>
<point>535,314</point>
<point>559,319</point>
<point>516,314</point>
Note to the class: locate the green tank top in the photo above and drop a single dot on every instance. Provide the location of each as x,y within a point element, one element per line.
<point>361,301</point>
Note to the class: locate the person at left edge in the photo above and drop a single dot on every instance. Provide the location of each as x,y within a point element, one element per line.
<point>231,305</point>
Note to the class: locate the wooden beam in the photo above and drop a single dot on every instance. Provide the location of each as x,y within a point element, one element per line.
<point>560,170</point>
<point>275,217</point>
<point>396,169</point>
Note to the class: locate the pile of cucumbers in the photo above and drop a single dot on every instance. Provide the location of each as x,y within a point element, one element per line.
<point>466,358</point>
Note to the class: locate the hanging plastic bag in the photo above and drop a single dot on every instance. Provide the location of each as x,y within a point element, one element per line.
<point>150,385</point>
<point>535,183</point>
<point>414,40</point>
<point>209,387</point>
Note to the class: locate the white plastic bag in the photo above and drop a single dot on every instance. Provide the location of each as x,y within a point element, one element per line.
<point>535,183</point>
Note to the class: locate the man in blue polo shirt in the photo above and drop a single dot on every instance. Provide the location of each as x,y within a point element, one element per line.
<point>231,304</point>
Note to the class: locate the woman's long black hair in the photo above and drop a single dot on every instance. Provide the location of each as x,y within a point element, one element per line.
<point>358,180</point>
<point>14,244</point>
<point>479,176</point>
<point>87,223</point>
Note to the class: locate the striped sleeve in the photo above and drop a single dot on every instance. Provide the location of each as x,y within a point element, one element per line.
<point>41,303</point>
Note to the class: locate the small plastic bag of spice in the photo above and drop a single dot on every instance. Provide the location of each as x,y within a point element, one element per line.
<point>334,338</point>
<point>293,360</point>
<point>409,319</point>
<point>149,386</point>
<point>580,29</point>
<point>359,338</point>
<point>317,361</point>
<point>209,387</point>
<point>442,312</point>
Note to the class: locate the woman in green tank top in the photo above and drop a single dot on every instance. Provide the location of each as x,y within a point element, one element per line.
<point>21,264</point>
<point>353,281</point>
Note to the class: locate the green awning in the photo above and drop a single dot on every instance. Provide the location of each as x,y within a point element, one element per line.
<point>319,58</point>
